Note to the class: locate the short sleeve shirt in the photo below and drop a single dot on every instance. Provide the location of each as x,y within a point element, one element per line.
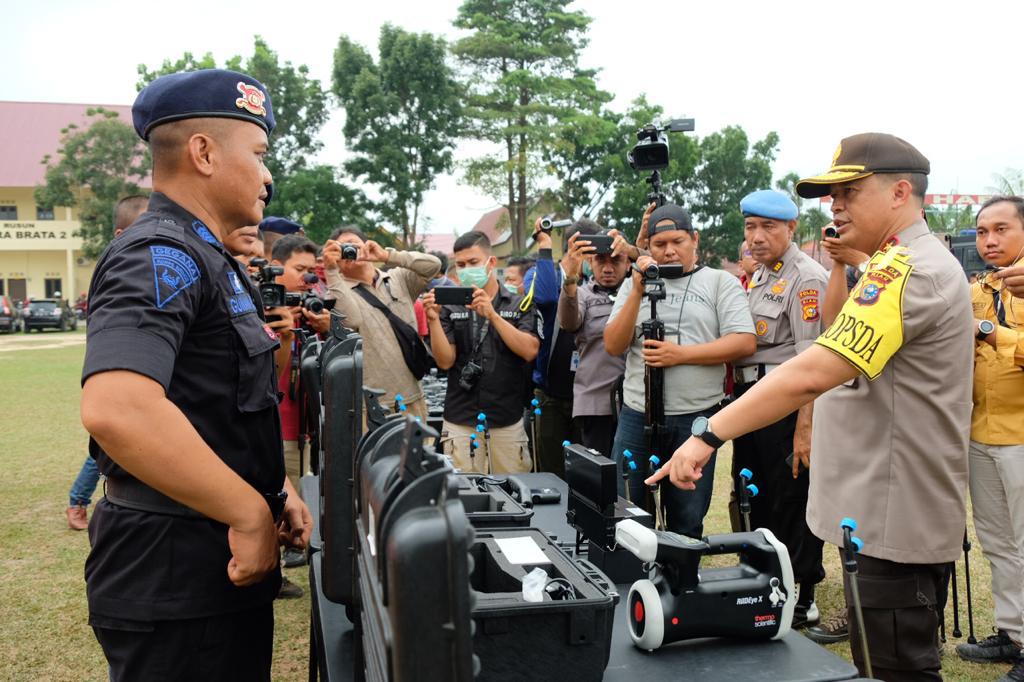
<point>169,303</point>
<point>785,302</point>
<point>892,445</point>
<point>698,308</point>
<point>501,390</point>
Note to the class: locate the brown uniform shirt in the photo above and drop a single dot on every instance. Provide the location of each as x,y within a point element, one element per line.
<point>890,448</point>
<point>785,302</point>
<point>384,365</point>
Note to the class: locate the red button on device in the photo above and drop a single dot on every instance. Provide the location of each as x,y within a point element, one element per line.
<point>638,611</point>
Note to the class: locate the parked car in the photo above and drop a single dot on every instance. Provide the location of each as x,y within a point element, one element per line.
<point>54,313</point>
<point>10,315</point>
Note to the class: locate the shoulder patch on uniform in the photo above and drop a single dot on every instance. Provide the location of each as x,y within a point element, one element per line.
<point>204,233</point>
<point>173,272</point>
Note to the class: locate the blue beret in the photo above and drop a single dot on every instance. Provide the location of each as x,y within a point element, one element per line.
<point>215,93</point>
<point>768,203</point>
<point>279,225</point>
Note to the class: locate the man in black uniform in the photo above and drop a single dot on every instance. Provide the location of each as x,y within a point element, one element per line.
<point>488,348</point>
<point>180,400</point>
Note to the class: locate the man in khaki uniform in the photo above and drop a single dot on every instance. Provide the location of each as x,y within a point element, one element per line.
<point>397,289</point>
<point>785,294</point>
<point>890,435</point>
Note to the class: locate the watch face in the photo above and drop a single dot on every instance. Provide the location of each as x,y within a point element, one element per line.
<point>987,327</point>
<point>700,426</point>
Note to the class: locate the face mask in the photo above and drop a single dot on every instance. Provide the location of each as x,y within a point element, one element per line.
<point>587,271</point>
<point>474,277</point>
<point>512,289</point>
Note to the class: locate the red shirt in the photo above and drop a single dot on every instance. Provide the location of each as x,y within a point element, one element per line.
<point>288,408</point>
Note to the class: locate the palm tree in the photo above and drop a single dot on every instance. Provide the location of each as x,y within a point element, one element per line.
<point>1008,183</point>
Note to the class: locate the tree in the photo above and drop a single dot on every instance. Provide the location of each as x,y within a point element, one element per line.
<point>300,103</point>
<point>586,157</point>
<point>318,200</point>
<point>525,86</point>
<point>630,188</point>
<point>97,166</point>
<point>730,169</point>
<point>1008,183</point>
<point>950,220</point>
<point>402,117</point>
<point>809,220</point>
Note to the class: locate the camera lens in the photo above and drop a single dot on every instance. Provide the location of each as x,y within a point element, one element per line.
<point>313,305</point>
<point>831,232</point>
<point>349,252</point>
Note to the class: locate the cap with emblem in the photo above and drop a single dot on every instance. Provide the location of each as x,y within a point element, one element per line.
<point>279,225</point>
<point>207,93</point>
<point>769,203</point>
<point>677,214</point>
<point>862,155</point>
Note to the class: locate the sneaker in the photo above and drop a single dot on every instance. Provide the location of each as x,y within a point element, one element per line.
<point>805,615</point>
<point>835,629</point>
<point>994,648</point>
<point>1016,673</point>
<point>294,558</point>
<point>78,518</point>
<point>289,590</point>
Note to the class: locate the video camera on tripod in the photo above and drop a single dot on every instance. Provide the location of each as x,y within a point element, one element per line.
<point>651,153</point>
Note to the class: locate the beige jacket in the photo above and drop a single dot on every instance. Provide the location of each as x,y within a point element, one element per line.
<point>383,364</point>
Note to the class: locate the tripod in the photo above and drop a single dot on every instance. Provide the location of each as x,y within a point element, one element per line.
<point>654,395</point>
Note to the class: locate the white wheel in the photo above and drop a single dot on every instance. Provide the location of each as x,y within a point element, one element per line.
<point>645,615</point>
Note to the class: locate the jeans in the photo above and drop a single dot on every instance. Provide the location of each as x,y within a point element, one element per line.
<point>685,509</point>
<point>85,484</point>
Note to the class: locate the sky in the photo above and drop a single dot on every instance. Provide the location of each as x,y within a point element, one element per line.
<point>942,75</point>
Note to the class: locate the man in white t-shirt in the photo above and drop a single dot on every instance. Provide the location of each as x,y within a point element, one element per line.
<point>707,324</point>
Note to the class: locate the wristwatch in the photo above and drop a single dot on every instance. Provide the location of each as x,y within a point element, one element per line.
<point>701,428</point>
<point>985,327</point>
<point>568,279</point>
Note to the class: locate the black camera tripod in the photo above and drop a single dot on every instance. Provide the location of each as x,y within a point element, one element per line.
<point>654,395</point>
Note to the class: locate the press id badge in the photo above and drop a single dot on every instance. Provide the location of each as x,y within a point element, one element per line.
<point>574,363</point>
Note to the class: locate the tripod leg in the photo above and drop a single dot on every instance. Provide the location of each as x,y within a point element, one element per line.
<point>956,606</point>
<point>967,579</point>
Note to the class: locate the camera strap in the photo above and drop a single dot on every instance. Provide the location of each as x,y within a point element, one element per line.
<point>997,301</point>
<point>481,335</point>
<point>417,357</point>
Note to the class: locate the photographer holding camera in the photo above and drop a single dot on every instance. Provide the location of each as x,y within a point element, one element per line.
<point>488,348</point>
<point>379,305</point>
<point>583,310</point>
<point>707,323</point>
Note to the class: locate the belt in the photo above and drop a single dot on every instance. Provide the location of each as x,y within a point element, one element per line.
<point>132,493</point>
<point>749,375</point>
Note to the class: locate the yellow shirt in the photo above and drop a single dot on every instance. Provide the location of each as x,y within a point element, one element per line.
<point>998,417</point>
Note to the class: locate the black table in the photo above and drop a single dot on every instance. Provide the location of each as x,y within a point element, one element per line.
<point>794,657</point>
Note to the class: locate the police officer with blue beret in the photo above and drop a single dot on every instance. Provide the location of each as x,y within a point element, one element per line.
<point>274,228</point>
<point>180,402</point>
<point>785,295</point>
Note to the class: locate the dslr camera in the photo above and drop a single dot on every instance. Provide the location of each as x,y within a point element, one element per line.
<point>470,374</point>
<point>273,295</point>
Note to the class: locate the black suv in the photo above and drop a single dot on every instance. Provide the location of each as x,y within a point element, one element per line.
<point>10,315</point>
<point>55,313</point>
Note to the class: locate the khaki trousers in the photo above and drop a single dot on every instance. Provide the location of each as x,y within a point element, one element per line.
<point>507,451</point>
<point>291,463</point>
<point>997,494</point>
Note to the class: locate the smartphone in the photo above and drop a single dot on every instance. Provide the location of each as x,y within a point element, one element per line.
<point>601,243</point>
<point>789,463</point>
<point>453,295</point>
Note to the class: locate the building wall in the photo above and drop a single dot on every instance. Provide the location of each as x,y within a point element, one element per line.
<point>32,251</point>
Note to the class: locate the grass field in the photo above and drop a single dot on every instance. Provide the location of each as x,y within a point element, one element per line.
<point>43,620</point>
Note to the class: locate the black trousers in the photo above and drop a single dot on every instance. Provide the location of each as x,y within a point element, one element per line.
<point>554,425</point>
<point>781,502</point>
<point>232,646</point>
<point>901,618</point>
<point>598,432</point>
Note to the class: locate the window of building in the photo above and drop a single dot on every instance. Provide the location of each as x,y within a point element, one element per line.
<point>8,212</point>
<point>52,287</point>
<point>44,213</point>
<point>3,289</point>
